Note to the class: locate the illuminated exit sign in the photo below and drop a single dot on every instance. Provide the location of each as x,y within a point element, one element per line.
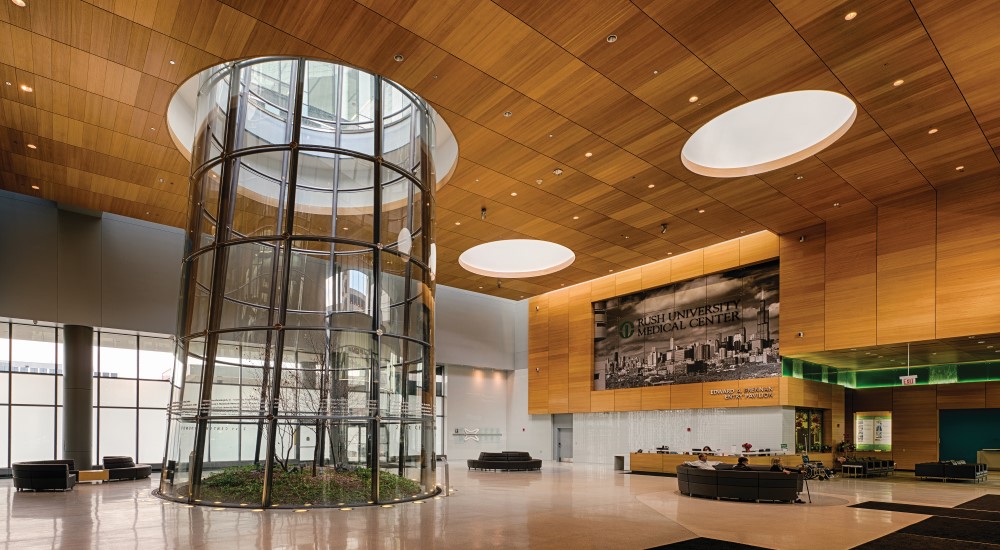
<point>909,380</point>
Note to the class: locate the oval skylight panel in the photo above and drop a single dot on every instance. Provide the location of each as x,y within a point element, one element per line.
<point>768,133</point>
<point>516,258</point>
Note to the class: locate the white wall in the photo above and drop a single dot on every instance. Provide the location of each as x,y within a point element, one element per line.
<point>531,433</point>
<point>473,329</point>
<point>597,437</point>
<point>475,398</point>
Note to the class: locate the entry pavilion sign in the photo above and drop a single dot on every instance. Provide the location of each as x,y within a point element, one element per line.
<point>719,327</point>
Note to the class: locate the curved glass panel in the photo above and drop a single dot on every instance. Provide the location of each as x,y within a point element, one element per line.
<point>307,302</point>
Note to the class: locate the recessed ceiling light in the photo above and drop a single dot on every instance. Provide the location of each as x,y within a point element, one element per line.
<point>932,131</point>
<point>898,82</point>
<point>850,15</point>
<point>960,168</point>
<point>26,88</point>
<point>656,72</point>
<point>981,342</point>
<point>151,129</point>
<point>538,181</point>
<point>701,210</point>
<point>172,62</point>
<point>836,205</point>
<point>147,213</point>
<point>35,187</point>
<point>558,171</point>
<point>508,114</point>
<point>514,194</point>
<point>670,253</point>
<point>458,223</point>
<point>398,57</point>
<point>693,99</point>
<point>652,185</point>
<point>32,146</point>
<point>626,236</point>
<point>610,270</point>
<point>612,38</point>
<point>19,3</point>
<point>800,177</point>
<point>345,229</point>
<point>8,83</point>
<point>550,135</point>
<point>742,231</point>
<point>576,217</point>
<point>588,154</point>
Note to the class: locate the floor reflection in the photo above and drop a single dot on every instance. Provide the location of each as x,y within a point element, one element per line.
<point>564,505</point>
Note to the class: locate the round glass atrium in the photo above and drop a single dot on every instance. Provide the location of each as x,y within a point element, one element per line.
<point>304,371</point>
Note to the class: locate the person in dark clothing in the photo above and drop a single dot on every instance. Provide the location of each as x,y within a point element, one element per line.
<point>777,467</point>
<point>742,463</point>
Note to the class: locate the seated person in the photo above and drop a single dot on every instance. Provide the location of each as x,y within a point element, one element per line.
<point>706,449</point>
<point>702,463</point>
<point>742,463</point>
<point>777,467</point>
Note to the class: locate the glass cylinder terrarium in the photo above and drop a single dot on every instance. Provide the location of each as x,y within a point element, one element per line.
<point>304,369</point>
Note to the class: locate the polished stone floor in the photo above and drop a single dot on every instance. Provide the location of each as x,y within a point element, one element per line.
<point>563,506</point>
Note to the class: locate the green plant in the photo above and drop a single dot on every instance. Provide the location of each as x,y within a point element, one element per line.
<point>245,484</point>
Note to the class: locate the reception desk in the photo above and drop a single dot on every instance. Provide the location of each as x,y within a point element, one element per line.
<point>989,457</point>
<point>667,463</point>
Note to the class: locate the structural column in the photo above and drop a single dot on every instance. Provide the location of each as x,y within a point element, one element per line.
<point>78,395</point>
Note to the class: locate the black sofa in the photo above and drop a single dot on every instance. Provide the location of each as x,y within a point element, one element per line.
<point>506,460</point>
<point>951,469</point>
<point>44,475</point>
<point>724,482</point>
<point>122,468</point>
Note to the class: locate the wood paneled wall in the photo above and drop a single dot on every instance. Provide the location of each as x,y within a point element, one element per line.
<point>915,412</point>
<point>916,268</point>
<point>561,335</point>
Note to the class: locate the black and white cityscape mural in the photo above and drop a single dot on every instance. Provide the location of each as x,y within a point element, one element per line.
<point>722,326</point>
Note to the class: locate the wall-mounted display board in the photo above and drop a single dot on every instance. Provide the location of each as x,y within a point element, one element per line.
<point>873,431</point>
<point>718,327</point>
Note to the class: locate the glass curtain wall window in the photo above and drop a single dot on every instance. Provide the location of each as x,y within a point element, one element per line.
<point>304,368</point>
<point>131,391</point>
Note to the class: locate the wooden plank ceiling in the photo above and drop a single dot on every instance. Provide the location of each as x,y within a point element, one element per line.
<point>103,71</point>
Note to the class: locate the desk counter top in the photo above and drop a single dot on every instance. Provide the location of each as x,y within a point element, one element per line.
<point>667,463</point>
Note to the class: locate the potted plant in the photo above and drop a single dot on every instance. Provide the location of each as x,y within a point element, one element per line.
<point>747,447</point>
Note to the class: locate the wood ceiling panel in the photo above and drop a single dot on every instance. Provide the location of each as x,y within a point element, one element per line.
<point>102,77</point>
<point>958,30</point>
<point>897,46</point>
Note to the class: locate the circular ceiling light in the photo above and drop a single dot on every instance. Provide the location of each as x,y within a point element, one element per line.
<point>768,133</point>
<point>516,258</point>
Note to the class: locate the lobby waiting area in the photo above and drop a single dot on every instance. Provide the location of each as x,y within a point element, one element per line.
<point>478,274</point>
<point>41,475</point>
